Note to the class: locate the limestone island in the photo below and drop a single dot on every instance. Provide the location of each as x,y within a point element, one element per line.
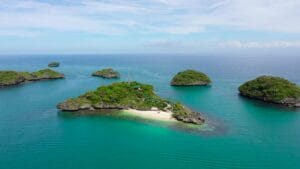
<point>8,78</point>
<point>272,89</point>
<point>190,78</point>
<point>135,98</point>
<point>53,64</point>
<point>108,73</point>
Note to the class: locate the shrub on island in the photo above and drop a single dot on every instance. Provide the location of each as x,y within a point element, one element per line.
<point>272,89</point>
<point>190,78</point>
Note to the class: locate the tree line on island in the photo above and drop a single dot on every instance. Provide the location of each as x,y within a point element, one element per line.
<point>139,96</point>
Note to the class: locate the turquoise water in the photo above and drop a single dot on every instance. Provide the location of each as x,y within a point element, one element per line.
<point>244,133</point>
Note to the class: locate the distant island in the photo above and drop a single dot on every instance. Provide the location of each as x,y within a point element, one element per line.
<point>134,97</point>
<point>53,64</point>
<point>8,78</point>
<point>272,89</point>
<point>108,73</point>
<point>190,78</point>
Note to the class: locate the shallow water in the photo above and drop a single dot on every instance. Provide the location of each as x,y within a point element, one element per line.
<point>241,133</point>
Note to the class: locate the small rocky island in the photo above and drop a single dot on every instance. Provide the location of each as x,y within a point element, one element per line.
<point>190,78</point>
<point>130,95</point>
<point>272,89</point>
<point>108,73</point>
<point>8,78</point>
<point>53,64</point>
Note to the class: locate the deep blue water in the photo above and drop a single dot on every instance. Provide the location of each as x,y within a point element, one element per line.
<point>243,133</point>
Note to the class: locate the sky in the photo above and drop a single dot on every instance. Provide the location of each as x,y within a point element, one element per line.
<point>148,26</point>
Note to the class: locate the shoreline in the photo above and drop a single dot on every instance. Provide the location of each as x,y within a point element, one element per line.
<point>152,114</point>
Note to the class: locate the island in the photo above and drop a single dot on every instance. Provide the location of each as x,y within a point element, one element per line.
<point>190,78</point>
<point>8,78</point>
<point>134,97</point>
<point>272,89</point>
<point>53,64</point>
<point>108,73</point>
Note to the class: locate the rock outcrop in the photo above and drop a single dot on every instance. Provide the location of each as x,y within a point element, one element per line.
<point>272,89</point>
<point>190,78</point>
<point>53,64</point>
<point>108,73</point>
<point>8,78</point>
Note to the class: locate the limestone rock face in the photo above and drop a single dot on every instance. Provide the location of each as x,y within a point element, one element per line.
<point>291,102</point>
<point>186,115</point>
<point>69,106</point>
<point>194,118</point>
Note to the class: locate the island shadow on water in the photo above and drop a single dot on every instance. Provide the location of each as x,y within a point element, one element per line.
<point>211,127</point>
<point>26,83</point>
<point>192,88</point>
<point>270,105</point>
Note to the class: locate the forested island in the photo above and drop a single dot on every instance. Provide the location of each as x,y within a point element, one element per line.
<point>53,64</point>
<point>190,78</point>
<point>108,73</point>
<point>8,78</point>
<point>130,95</point>
<point>272,89</point>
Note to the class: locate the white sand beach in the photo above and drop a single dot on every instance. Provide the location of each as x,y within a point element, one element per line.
<point>152,114</point>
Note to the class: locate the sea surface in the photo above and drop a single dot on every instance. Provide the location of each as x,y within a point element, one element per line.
<point>240,133</point>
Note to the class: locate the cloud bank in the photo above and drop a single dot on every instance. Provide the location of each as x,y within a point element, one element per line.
<point>156,16</point>
<point>253,44</point>
<point>148,25</point>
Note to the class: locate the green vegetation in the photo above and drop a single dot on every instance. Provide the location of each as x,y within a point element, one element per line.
<point>124,95</point>
<point>46,74</point>
<point>134,95</point>
<point>12,77</point>
<point>271,89</point>
<point>190,78</point>
<point>179,110</point>
<point>183,114</point>
<point>107,73</point>
<point>53,64</point>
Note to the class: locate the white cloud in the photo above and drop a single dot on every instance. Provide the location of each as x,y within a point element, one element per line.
<point>253,44</point>
<point>166,16</point>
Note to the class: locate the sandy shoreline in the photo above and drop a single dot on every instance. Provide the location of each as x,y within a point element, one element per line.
<point>152,114</point>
